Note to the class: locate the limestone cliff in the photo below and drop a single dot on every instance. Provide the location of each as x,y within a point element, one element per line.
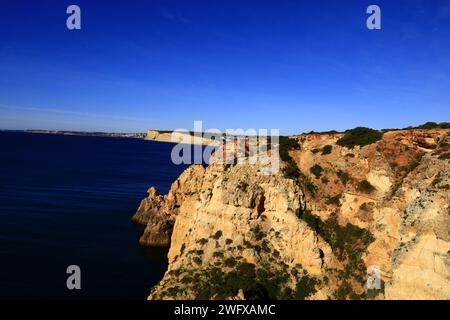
<point>179,137</point>
<point>238,233</point>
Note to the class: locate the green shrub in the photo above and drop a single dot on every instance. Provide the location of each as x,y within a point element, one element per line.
<point>350,155</point>
<point>186,279</point>
<point>287,144</point>
<point>334,200</point>
<point>248,244</point>
<point>229,262</point>
<point>315,151</point>
<point>311,220</point>
<point>217,235</point>
<point>291,171</point>
<point>366,206</point>
<point>262,281</point>
<point>323,132</point>
<point>324,180</point>
<point>173,291</point>
<point>316,170</point>
<point>366,187</point>
<point>327,149</point>
<point>305,287</point>
<point>428,125</point>
<point>256,283</point>
<point>348,242</point>
<point>258,233</point>
<point>344,290</point>
<point>307,184</point>
<point>246,269</point>
<point>265,246</point>
<point>434,125</point>
<point>444,145</point>
<point>343,176</point>
<point>311,187</point>
<point>359,136</point>
<point>242,185</point>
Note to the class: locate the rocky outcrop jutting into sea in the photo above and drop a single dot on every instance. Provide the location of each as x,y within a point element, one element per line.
<point>237,233</point>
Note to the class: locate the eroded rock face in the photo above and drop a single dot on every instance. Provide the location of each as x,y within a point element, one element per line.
<point>158,212</point>
<point>407,213</point>
<point>420,263</point>
<point>234,219</point>
<point>227,213</point>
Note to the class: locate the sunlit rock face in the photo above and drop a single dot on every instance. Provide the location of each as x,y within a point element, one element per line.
<point>385,204</point>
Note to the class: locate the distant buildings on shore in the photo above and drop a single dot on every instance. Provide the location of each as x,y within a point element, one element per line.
<point>140,135</point>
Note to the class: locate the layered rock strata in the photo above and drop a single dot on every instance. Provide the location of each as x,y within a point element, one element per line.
<point>384,205</point>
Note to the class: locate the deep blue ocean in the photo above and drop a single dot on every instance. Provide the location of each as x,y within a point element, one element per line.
<point>68,200</point>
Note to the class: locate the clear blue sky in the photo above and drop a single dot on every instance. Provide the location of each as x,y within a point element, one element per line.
<point>294,65</point>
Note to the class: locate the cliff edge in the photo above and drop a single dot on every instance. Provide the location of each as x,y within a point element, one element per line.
<point>312,231</point>
<point>180,137</point>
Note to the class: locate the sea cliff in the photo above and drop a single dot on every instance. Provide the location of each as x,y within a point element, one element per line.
<point>312,230</point>
<point>180,137</point>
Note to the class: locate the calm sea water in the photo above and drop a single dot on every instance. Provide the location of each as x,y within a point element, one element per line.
<point>68,200</point>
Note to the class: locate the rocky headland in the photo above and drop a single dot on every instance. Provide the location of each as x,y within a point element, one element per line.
<point>180,137</point>
<point>342,204</point>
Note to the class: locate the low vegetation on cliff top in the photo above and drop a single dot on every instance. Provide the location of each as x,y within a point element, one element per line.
<point>431,125</point>
<point>359,136</point>
<point>425,126</point>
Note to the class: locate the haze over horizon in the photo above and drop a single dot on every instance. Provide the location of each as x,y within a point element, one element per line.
<point>293,65</point>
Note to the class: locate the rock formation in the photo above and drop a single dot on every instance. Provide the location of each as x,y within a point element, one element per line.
<point>237,233</point>
<point>179,137</point>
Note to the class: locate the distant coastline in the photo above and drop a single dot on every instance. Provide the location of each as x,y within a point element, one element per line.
<point>150,135</point>
<point>190,137</point>
<point>139,135</point>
